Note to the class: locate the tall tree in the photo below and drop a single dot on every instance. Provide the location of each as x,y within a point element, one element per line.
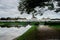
<point>29,6</point>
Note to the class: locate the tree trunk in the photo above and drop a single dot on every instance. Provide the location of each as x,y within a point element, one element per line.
<point>33,16</point>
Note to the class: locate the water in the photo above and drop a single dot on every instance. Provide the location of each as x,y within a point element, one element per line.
<point>13,32</point>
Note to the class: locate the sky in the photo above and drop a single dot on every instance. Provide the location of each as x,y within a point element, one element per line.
<point>8,8</point>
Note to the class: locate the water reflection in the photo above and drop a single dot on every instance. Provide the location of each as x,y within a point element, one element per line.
<point>12,32</point>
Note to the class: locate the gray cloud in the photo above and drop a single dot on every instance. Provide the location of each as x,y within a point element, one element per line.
<point>8,8</point>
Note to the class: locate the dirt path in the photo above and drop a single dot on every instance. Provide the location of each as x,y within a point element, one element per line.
<point>47,33</point>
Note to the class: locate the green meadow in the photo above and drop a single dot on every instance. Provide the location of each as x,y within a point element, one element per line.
<point>29,35</point>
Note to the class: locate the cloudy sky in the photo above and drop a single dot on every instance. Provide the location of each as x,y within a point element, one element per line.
<point>8,8</point>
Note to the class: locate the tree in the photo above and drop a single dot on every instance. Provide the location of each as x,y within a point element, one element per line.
<point>8,18</point>
<point>29,6</point>
<point>58,6</point>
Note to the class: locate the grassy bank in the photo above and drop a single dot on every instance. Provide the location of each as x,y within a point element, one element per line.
<point>10,24</point>
<point>55,26</point>
<point>29,35</point>
<point>32,33</point>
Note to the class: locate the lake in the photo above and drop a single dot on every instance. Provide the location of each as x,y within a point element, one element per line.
<point>13,32</point>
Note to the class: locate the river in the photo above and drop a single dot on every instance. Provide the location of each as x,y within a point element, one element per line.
<point>13,32</point>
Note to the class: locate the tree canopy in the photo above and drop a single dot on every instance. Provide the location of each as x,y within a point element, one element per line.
<point>30,5</point>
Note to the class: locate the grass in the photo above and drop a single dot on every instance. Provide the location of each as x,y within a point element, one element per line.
<point>12,23</point>
<point>55,26</point>
<point>29,35</point>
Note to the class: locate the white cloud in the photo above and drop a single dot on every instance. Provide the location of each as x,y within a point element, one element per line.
<point>8,8</point>
<point>50,14</point>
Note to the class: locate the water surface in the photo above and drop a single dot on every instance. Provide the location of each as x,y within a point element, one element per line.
<point>13,32</point>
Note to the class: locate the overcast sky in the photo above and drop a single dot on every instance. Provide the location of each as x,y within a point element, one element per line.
<point>8,8</point>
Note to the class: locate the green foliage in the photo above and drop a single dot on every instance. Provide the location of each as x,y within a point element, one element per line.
<point>34,23</point>
<point>55,26</point>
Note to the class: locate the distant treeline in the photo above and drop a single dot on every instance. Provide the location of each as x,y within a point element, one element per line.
<point>52,23</point>
<point>8,18</point>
